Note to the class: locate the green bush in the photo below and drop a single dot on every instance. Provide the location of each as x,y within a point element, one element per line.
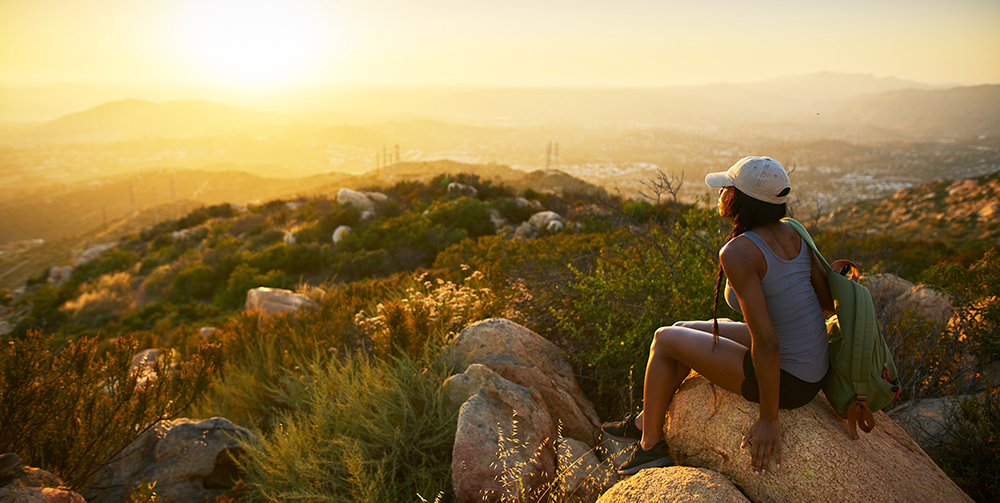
<point>245,278</point>
<point>975,290</point>
<point>195,282</point>
<point>70,410</point>
<point>362,431</point>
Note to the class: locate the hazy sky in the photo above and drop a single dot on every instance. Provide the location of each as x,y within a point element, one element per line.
<point>506,43</point>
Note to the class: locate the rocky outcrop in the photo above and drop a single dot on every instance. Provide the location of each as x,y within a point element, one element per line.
<point>674,484</point>
<point>819,461</point>
<point>275,300</point>
<point>60,275</point>
<point>340,232</point>
<point>543,222</point>
<point>900,295</point>
<point>92,253</point>
<point>492,454</point>
<point>32,485</point>
<point>925,420</point>
<point>189,460</point>
<point>456,189</point>
<point>528,359</point>
<point>362,201</point>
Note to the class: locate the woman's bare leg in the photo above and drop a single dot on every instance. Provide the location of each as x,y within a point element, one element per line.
<point>673,349</point>
<point>734,331</point>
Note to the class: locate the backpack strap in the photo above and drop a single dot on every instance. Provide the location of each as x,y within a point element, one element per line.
<point>858,412</point>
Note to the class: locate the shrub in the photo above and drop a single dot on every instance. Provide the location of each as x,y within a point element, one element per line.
<point>193,282</point>
<point>108,297</point>
<point>971,456</point>
<point>70,410</point>
<point>363,431</point>
<point>245,278</point>
<point>976,290</point>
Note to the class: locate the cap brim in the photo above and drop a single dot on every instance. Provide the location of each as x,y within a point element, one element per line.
<point>718,180</point>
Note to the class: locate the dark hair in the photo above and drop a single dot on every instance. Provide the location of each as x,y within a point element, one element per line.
<point>746,213</point>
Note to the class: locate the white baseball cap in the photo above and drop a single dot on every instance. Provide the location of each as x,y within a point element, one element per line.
<point>761,178</point>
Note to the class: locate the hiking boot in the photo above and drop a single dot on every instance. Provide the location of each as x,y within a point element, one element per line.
<point>624,429</point>
<point>639,459</point>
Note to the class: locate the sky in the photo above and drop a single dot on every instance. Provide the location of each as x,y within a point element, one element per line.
<point>514,43</point>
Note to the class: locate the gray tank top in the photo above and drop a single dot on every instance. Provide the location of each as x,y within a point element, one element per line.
<point>794,310</point>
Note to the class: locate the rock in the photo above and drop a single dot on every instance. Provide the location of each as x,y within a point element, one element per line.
<point>288,238</point>
<point>276,300</point>
<point>180,235</point>
<point>206,331</point>
<point>526,358</point>
<point>520,202</point>
<point>238,207</point>
<point>886,286</point>
<point>32,485</point>
<point>927,302</point>
<point>549,221</point>
<point>92,253</point>
<point>60,275</point>
<point>456,189</point>
<point>5,327</point>
<point>499,222</point>
<point>293,205</point>
<point>492,455</point>
<point>924,420</point>
<point>189,460</point>
<point>674,484</point>
<point>581,476</point>
<point>819,461</point>
<point>340,232</point>
<point>362,201</point>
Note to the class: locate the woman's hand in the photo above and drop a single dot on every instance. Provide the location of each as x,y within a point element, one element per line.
<point>763,438</point>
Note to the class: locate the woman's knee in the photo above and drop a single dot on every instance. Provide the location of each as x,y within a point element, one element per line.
<point>663,337</point>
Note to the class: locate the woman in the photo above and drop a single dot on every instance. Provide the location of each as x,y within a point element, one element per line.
<point>778,358</point>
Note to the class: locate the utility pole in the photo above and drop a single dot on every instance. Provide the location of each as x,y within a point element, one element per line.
<point>548,155</point>
<point>556,153</point>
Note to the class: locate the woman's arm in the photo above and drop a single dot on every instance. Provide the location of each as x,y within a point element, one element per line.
<point>744,265</point>
<point>821,284</point>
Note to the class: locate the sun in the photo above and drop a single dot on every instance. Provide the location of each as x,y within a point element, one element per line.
<point>254,42</point>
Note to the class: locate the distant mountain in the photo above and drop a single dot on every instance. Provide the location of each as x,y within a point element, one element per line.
<point>143,118</point>
<point>961,112</point>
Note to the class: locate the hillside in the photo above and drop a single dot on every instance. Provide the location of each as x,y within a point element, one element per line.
<point>130,118</point>
<point>946,210</point>
<point>961,112</point>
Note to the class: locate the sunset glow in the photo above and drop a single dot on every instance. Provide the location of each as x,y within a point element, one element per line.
<point>255,42</point>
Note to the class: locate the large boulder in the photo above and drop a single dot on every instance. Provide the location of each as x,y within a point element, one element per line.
<point>819,461</point>
<point>456,189</point>
<point>60,275</point>
<point>542,222</point>
<point>275,300</point>
<point>900,295</point>
<point>528,359</point>
<point>926,420</point>
<point>504,437</point>
<point>189,460</point>
<point>92,253</point>
<point>362,201</point>
<point>33,485</point>
<point>674,484</point>
<point>340,232</point>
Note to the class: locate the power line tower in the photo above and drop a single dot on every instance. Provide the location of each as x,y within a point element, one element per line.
<point>548,155</point>
<point>555,153</point>
<point>397,153</point>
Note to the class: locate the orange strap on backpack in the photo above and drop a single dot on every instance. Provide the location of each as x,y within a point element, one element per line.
<point>858,414</point>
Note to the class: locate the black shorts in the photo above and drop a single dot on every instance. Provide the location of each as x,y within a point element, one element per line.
<point>792,391</point>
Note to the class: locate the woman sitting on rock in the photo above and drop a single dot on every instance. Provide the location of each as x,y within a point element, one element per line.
<point>778,358</point>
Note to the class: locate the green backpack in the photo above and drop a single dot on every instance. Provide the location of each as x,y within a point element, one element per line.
<point>862,377</point>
